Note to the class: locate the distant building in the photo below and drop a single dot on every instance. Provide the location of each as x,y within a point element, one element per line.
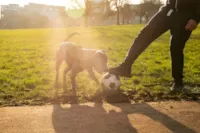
<point>49,11</point>
<point>98,10</point>
<point>99,6</point>
<point>46,10</point>
<point>58,16</point>
<point>10,7</point>
<point>5,9</point>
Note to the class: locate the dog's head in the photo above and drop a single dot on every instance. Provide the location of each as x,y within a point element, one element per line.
<point>100,61</point>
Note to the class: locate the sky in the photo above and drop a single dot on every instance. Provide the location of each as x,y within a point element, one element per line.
<point>49,2</point>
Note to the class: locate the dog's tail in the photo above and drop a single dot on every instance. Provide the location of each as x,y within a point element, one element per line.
<point>71,35</point>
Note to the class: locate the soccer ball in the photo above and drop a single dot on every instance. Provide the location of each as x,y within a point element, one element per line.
<point>110,82</point>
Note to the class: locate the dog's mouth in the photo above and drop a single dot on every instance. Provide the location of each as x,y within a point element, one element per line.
<point>103,71</point>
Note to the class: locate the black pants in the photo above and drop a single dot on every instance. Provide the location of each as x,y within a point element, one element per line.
<point>158,25</point>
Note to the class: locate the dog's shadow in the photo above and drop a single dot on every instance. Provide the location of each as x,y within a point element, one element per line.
<point>90,118</point>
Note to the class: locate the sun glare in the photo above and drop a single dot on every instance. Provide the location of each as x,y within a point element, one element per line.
<point>135,1</point>
<point>66,3</point>
<point>74,8</point>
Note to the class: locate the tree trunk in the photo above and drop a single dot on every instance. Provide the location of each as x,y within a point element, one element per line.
<point>86,21</point>
<point>140,13</point>
<point>117,16</point>
<point>86,13</point>
<point>123,19</point>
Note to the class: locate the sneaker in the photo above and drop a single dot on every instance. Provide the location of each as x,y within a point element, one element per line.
<point>121,70</point>
<point>177,87</point>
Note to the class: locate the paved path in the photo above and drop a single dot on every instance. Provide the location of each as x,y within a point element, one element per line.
<point>164,117</point>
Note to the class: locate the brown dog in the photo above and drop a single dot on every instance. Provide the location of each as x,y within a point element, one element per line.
<point>79,59</point>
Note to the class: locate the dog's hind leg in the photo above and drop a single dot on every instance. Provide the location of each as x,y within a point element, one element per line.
<point>58,63</point>
<point>64,76</point>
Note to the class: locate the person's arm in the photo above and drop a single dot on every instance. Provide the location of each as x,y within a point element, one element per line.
<point>195,19</point>
<point>196,16</point>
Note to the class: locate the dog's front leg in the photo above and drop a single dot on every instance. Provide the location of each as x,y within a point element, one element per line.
<point>92,76</point>
<point>58,63</point>
<point>56,80</point>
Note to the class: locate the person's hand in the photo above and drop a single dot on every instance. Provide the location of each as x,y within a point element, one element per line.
<point>191,25</point>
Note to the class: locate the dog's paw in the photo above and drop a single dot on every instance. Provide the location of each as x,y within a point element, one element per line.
<point>73,100</point>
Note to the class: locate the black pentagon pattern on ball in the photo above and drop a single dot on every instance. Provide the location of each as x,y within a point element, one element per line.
<point>110,82</point>
<point>112,85</point>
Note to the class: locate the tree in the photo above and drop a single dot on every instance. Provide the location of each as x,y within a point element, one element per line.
<point>108,12</point>
<point>36,20</point>
<point>13,19</point>
<point>117,5</point>
<point>88,10</point>
<point>126,12</point>
<point>148,6</point>
<point>63,18</point>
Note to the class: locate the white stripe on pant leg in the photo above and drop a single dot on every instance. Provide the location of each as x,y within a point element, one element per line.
<point>170,12</point>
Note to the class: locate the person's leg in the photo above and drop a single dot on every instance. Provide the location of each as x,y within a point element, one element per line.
<point>156,27</point>
<point>179,36</point>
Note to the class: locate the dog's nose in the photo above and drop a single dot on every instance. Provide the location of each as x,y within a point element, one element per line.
<point>112,85</point>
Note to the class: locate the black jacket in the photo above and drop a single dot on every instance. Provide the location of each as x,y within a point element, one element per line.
<point>189,6</point>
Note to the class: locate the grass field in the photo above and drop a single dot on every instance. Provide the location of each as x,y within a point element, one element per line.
<point>27,59</point>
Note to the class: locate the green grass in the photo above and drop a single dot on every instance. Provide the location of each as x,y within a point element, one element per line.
<point>27,59</point>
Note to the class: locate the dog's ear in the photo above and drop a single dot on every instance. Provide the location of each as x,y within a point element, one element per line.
<point>101,54</point>
<point>104,51</point>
